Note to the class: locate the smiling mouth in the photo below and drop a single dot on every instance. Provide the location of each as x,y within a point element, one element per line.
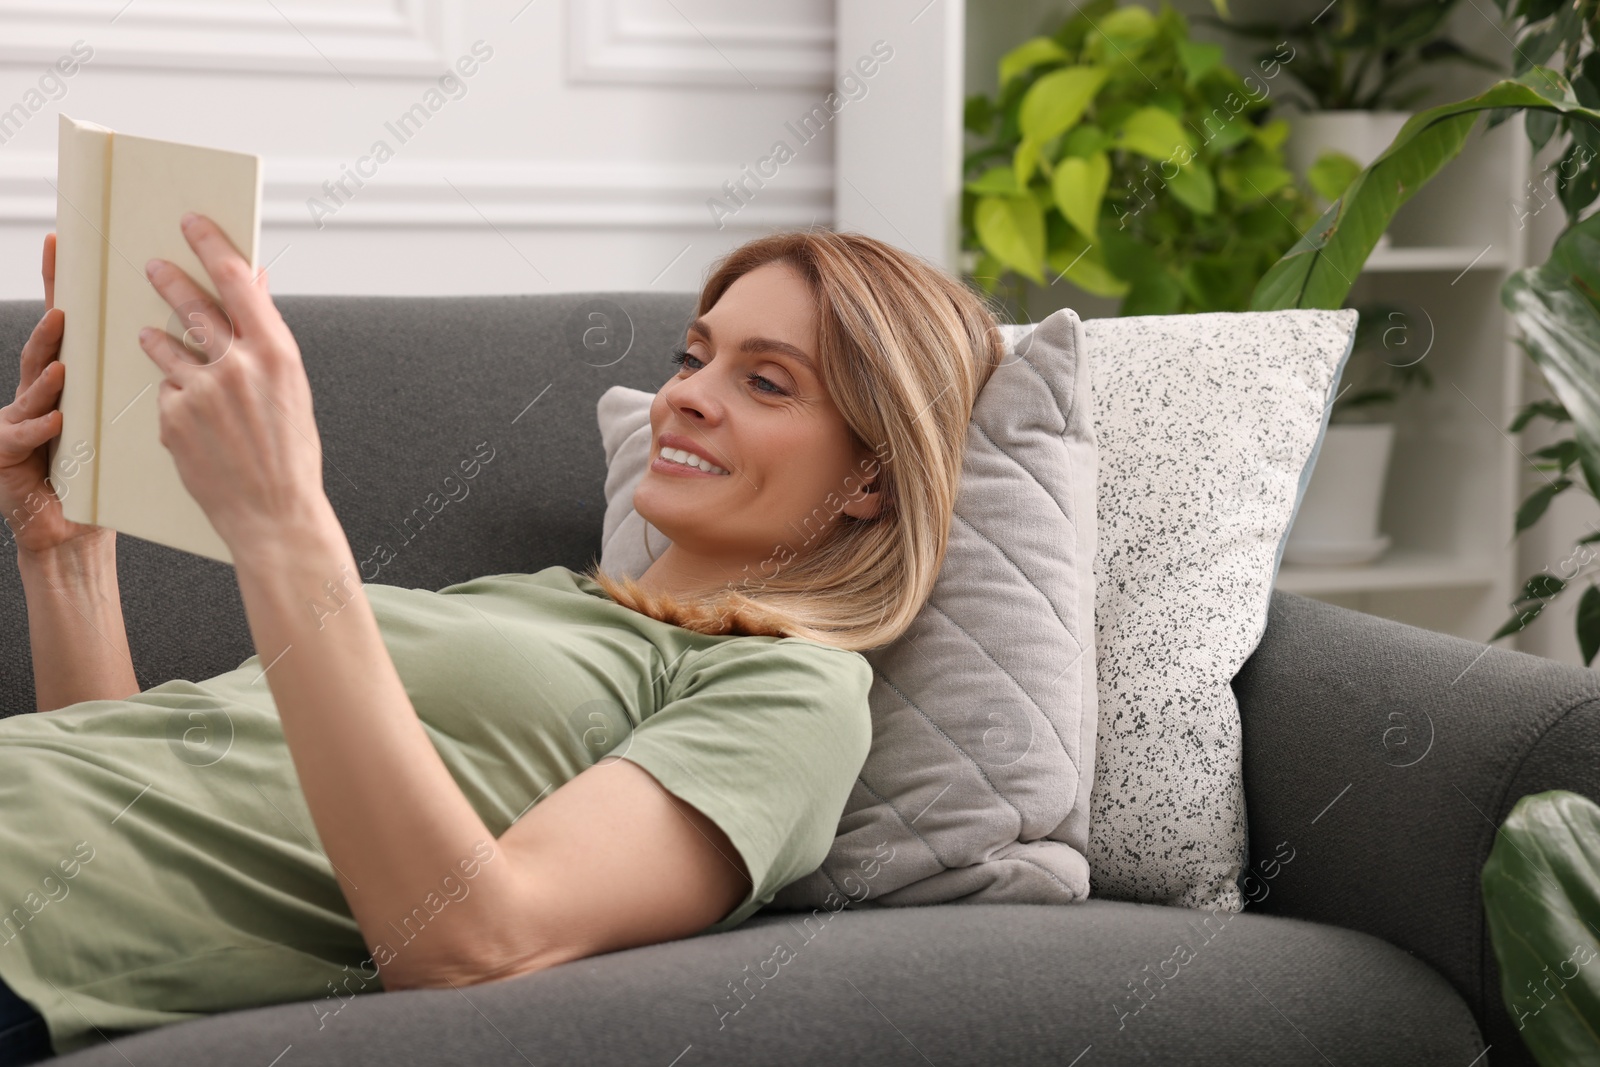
<point>686,461</point>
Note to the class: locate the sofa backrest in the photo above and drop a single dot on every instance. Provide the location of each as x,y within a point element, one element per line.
<point>411,394</point>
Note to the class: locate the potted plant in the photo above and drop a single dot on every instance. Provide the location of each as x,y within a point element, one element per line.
<point>1355,65</point>
<point>1131,161</point>
<point>1337,522</point>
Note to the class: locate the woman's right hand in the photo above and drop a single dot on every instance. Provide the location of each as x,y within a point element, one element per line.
<point>28,502</point>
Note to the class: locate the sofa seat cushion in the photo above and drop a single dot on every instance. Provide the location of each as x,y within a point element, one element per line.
<point>980,984</point>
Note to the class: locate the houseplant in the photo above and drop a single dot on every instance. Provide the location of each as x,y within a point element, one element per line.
<point>1131,161</point>
<point>1541,894</point>
<point>1555,306</point>
<point>1354,70</point>
<point>1558,307</point>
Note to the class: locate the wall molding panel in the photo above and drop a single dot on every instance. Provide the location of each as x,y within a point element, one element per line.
<point>400,38</point>
<point>610,41</point>
<point>482,194</point>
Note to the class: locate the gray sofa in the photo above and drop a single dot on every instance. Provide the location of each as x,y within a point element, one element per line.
<point>1369,948</point>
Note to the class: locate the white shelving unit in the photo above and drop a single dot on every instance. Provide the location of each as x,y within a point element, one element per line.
<point>1453,485</point>
<point>1454,477</point>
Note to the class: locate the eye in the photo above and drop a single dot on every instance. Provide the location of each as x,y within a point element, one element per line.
<point>774,391</point>
<point>681,358</point>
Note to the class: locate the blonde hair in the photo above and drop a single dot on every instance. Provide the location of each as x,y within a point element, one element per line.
<point>903,351</point>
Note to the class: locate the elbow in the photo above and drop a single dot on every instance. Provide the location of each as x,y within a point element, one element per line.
<point>488,962</point>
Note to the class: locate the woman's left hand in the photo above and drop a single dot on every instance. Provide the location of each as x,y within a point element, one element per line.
<point>235,404</point>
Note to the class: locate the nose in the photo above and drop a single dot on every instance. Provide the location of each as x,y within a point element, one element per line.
<point>695,397</point>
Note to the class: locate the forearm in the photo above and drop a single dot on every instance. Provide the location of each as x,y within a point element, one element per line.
<point>75,628</point>
<point>391,818</point>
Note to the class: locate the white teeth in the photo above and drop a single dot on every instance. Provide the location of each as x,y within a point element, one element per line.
<point>689,459</point>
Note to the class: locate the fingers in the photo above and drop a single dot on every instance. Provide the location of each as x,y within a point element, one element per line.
<point>205,329</point>
<point>247,302</point>
<point>20,440</point>
<point>176,362</point>
<point>42,347</point>
<point>48,269</point>
<point>39,398</point>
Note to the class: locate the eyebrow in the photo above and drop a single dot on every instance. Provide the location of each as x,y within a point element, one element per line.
<point>760,344</point>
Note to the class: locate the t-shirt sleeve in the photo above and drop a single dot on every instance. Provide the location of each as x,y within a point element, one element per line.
<point>765,738</point>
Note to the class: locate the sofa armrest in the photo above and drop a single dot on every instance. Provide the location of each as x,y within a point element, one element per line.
<point>1387,756</point>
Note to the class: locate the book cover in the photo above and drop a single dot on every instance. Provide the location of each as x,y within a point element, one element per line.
<point>118,201</point>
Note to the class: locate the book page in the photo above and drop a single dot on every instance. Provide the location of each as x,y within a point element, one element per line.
<point>81,157</point>
<point>153,183</point>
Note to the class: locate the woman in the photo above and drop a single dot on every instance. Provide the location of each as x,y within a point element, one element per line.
<point>406,789</point>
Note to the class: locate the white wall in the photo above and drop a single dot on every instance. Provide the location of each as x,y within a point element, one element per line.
<point>580,154</point>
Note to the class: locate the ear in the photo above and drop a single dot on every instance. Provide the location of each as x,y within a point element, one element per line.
<point>867,502</point>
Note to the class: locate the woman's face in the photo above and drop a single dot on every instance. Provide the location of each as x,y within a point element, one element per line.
<point>748,400</point>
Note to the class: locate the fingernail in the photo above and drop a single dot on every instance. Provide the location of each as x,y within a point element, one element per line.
<point>146,333</point>
<point>189,219</point>
<point>152,266</point>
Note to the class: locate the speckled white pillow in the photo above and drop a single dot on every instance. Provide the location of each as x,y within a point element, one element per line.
<point>1208,427</point>
<point>976,789</point>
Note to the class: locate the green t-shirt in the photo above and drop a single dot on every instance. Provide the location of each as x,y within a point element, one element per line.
<point>158,861</point>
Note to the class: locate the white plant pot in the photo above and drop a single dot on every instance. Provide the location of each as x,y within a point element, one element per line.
<point>1361,135</point>
<point>1338,519</point>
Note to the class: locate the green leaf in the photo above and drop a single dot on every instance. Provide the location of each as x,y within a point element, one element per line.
<point>1270,134</point>
<point>1563,453</point>
<point>1554,306</point>
<point>997,181</point>
<point>1194,188</point>
<point>1541,897</point>
<point>1084,140</point>
<point>1079,187</point>
<point>1318,271</point>
<point>1024,160</point>
<point>1126,31</point>
<point>1011,228</point>
<point>1518,622</point>
<point>1030,54</point>
<point>1153,132</point>
<point>978,114</point>
<point>1081,264</point>
<point>1254,181</point>
<point>1056,101</point>
<point>1197,59</point>
<point>1533,508</point>
<point>1543,586</point>
<point>1332,174</point>
<point>1589,624</point>
<point>1152,288</point>
<point>1549,409</point>
<point>1577,182</point>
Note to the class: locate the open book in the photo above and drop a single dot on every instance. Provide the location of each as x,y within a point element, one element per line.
<point>118,202</point>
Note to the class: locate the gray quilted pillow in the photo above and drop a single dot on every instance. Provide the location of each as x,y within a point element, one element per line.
<point>983,713</point>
